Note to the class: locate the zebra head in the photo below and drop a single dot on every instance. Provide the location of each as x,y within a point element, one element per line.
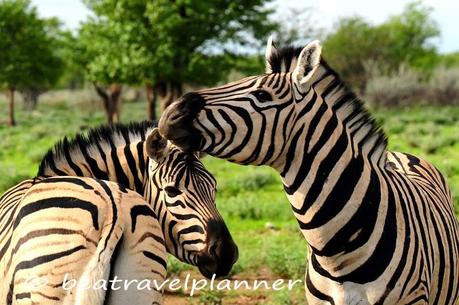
<point>193,229</point>
<point>251,120</point>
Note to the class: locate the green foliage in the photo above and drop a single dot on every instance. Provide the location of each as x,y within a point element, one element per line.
<point>162,41</point>
<point>28,44</point>
<point>174,266</point>
<point>247,65</point>
<point>287,297</point>
<point>351,46</point>
<point>409,38</point>
<point>287,259</point>
<point>355,45</point>
<point>449,60</point>
<point>73,75</point>
<point>210,297</point>
<point>104,53</point>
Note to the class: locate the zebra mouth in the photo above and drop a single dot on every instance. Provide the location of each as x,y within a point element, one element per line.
<point>176,123</point>
<point>210,263</point>
<point>209,268</point>
<point>187,143</point>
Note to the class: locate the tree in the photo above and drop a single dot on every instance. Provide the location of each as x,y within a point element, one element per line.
<point>170,43</point>
<point>107,65</point>
<point>409,38</point>
<point>449,60</point>
<point>351,46</point>
<point>356,45</point>
<point>48,63</point>
<point>27,57</point>
<point>73,75</point>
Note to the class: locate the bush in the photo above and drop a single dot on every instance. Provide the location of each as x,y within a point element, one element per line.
<point>444,86</point>
<point>286,259</point>
<point>407,87</point>
<point>251,181</point>
<point>256,205</point>
<point>403,88</point>
<point>210,297</point>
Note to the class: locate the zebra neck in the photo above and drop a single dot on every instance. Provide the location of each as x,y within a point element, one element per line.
<point>127,165</point>
<point>335,192</point>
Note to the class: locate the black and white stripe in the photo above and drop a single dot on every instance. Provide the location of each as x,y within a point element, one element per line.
<point>380,225</point>
<point>83,229</point>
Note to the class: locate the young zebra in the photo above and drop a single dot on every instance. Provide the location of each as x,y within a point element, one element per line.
<point>62,236</point>
<point>176,184</point>
<point>380,225</point>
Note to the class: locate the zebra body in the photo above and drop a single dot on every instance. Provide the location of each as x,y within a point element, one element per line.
<point>176,184</point>
<point>380,225</point>
<point>64,229</point>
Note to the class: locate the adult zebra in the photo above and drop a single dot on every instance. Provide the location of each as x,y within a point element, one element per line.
<point>63,238</point>
<point>176,184</point>
<point>380,225</point>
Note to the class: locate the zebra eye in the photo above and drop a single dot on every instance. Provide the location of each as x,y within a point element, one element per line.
<point>172,191</point>
<point>262,95</point>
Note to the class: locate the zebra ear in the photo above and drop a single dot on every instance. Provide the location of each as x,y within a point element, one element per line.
<point>156,145</point>
<point>270,50</point>
<point>307,64</point>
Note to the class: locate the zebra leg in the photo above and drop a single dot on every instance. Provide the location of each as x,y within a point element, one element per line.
<point>139,269</point>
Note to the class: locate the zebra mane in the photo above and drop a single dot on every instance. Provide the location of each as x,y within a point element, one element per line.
<point>104,135</point>
<point>284,60</point>
<point>348,107</point>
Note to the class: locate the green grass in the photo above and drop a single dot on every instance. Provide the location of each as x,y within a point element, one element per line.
<point>249,198</point>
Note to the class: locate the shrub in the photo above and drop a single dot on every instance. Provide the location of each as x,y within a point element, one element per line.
<point>210,297</point>
<point>402,89</point>
<point>251,181</point>
<point>444,86</point>
<point>175,267</point>
<point>407,87</point>
<point>286,259</point>
<point>256,205</point>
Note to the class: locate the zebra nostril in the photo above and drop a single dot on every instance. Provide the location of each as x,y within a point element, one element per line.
<point>213,249</point>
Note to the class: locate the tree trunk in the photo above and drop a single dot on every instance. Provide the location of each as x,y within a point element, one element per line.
<point>171,91</point>
<point>115,97</point>
<point>10,97</point>
<point>111,101</point>
<point>151,100</point>
<point>30,97</point>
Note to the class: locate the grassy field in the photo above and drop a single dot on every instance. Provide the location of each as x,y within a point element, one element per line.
<point>251,200</point>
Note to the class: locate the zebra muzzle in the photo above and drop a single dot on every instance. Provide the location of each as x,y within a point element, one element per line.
<point>176,123</point>
<point>221,252</point>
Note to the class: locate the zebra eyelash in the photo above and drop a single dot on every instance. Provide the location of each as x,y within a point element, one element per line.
<point>172,191</point>
<point>262,95</point>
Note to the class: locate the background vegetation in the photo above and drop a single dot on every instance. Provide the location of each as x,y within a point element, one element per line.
<point>133,53</point>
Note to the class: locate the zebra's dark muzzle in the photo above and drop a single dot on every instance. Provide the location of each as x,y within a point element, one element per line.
<point>176,123</point>
<point>221,252</point>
